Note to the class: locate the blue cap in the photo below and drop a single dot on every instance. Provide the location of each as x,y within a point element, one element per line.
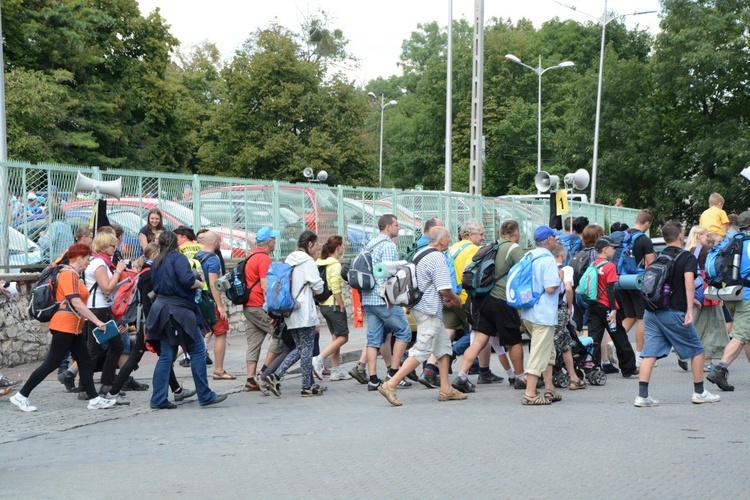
<point>266,233</point>
<point>544,232</point>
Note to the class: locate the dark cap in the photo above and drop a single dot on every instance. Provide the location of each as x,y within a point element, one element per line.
<point>604,242</point>
<point>186,232</point>
<point>743,220</point>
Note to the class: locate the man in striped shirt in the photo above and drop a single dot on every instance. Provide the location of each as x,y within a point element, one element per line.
<point>433,279</point>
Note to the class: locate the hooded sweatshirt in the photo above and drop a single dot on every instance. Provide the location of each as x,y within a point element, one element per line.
<point>305,281</point>
<point>333,277</point>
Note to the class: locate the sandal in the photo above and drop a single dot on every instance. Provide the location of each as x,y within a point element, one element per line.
<point>535,401</point>
<point>552,396</point>
<point>708,368</point>
<point>224,376</point>
<point>577,385</point>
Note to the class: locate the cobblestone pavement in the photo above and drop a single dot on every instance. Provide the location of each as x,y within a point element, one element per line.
<point>352,443</point>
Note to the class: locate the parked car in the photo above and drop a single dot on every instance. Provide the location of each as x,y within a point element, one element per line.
<point>22,252</point>
<point>32,226</point>
<point>362,223</point>
<point>130,222</point>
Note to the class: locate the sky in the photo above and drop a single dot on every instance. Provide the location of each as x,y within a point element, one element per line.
<point>375,29</point>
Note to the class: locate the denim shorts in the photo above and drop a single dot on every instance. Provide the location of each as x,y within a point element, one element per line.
<point>381,319</point>
<point>664,330</point>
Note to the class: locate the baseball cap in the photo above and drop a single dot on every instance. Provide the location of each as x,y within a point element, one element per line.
<point>544,232</point>
<point>603,242</point>
<point>31,196</point>
<point>186,232</point>
<point>743,220</point>
<point>266,233</point>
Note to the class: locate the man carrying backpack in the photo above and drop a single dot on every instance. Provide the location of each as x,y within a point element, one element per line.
<point>630,301</point>
<point>433,280</point>
<point>740,313</point>
<point>379,317</point>
<point>669,321</point>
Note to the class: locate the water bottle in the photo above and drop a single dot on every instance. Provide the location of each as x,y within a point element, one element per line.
<point>666,292</point>
<point>612,325</point>
<point>736,267</point>
<point>197,295</point>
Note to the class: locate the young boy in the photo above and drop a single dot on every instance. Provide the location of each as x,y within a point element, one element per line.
<point>563,342</point>
<point>715,218</point>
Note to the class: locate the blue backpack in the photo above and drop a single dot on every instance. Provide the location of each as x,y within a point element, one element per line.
<point>700,292</point>
<point>624,258</point>
<point>724,260</point>
<point>572,244</point>
<point>279,299</point>
<point>452,266</point>
<point>520,291</point>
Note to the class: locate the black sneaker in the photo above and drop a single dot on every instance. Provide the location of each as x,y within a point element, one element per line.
<point>185,362</point>
<point>374,386</point>
<point>428,381</point>
<point>209,361</point>
<point>631,374</point>
<point>719,376</point>
<point>133,385</point>
<point>462,385</point>
<point>413,376</point>
<point>682,364</point>
<point>404,384</point>
<point>609,368</point>
<point>68,381</point>
<point>489,378</point>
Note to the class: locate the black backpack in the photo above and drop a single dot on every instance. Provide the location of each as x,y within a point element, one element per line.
<point>478,278</point>
<point>657,282</point>
<point>42,304</point>
<point>580,262</point>
<point>326,293</point>
<point>238,291</point>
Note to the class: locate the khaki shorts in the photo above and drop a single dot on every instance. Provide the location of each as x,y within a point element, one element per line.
<point>258,327</point>
<point>431,338</point>
<point>740,311</point>
<point>542,347</point>
<point>454,318</point>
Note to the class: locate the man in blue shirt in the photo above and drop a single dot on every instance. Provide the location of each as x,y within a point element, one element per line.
<point>541,319</point>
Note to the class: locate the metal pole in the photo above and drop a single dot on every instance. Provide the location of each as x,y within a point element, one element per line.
<point>539,121</point>
<point>4,191</point>
<point>449,104</point>
<point>598,107</point>
<point>477,101</point>
<point>382,111</point>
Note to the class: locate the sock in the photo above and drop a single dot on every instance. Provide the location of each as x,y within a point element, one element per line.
<point>178,391</point>
<point>643,389</point>
<point>73,372</point>
<point>263,368</point>
<point>430,369</point>
<point>484,370</point>
<point>374,379</point>
<point>392,372</point>
<point>360,366</point>
<point>463,376</point>
<point>698,387</point>
<point>637,354</point>
<point>511,373</point>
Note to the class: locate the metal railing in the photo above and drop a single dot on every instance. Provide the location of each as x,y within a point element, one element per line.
<point>236,208</point>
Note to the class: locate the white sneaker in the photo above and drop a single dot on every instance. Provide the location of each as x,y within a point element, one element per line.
<point>317,366</point>
<point>119,399</point>
<point>644,402</point>
<point>99,403</point>
<point>339,375</point>
<point>706,397</point>
<point>23,403</point>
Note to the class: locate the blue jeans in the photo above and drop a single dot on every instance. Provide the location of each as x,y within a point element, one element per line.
<point>197,366</point>
<point>381,319</point>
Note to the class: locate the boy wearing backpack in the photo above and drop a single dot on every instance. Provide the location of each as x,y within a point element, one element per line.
<point>669,320</point>
<point>603,312</point>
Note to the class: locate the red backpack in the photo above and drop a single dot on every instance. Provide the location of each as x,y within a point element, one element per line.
<point>126,293</point>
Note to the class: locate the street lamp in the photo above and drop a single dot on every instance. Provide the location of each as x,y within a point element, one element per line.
<point>604,20</point>
<point>382,105</point>
<point>539,71</point>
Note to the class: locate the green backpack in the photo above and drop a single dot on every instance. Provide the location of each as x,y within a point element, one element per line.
<point>588,287</point>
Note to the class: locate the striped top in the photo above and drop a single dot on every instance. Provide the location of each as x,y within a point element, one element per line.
<point>432,276</point>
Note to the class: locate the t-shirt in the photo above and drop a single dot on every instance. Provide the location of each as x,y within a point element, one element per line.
<point>462,253</point>
<point>149,236</point>
<point>98,298</point>
<point>545,275</point>
<point>642,247</point>
<point>210,263</point>
<point>432,276</point>
<point>607,274</point>
<point>567,278</point>
<point>508,254</point>
<point>256,269</point>
<point>685,263</point>
<point>69,286</point>
<point>714,219</point>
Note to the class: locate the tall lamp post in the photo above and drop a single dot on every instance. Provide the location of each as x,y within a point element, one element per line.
<point>604,20</point>
<point>539,71</point>
<point>382,105</point>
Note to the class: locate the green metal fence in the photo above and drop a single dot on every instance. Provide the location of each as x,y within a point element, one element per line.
<point>236,208</point>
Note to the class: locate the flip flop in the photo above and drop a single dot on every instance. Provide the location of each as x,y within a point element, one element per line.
<point>224,376</point>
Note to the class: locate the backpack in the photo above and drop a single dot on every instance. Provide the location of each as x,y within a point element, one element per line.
<point>478,278</point>
<point>572,244</point>
<point>449,258</point>
<point>42,303</point>
<point>520,290</point>
<point>205,300</point>
<point>401,289</point>
<point>235,283</point>
<point>415,247</point>
<point>360,269</point>
<point>126,294</point>
<point>279,300</point>
<point>700,279</point>
<point>624,258</point>
<point>326,293</point>
<point>580,262</point>
<point>724,260</point>
<point>657,282</point>
<point>588,287</point>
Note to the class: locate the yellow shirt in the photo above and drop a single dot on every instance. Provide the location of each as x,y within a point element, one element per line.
<point>462,253</point>
<point>714,219</point>
<point>333,277</point>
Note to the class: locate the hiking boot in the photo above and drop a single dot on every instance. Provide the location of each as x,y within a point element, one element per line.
<point>452,396</point>
<point>462,385</point>
<point>720,376</point>
<point>429,381</point>
<point>609,368</point>
<point>706,397</point>
<point>489,378</point>
<point>645,402</point>
<point>68,380</point>
<point>374,386</point>
<point>404,384</point>
<point>359,374</point>
<point>389,394</point>
<point>133,385</point>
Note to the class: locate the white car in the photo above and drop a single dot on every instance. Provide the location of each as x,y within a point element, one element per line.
<point>22,252</point>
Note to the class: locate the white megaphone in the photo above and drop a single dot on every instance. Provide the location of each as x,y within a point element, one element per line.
<point>85,184</point>
<point>579,180</point>
<point>545,182</point>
